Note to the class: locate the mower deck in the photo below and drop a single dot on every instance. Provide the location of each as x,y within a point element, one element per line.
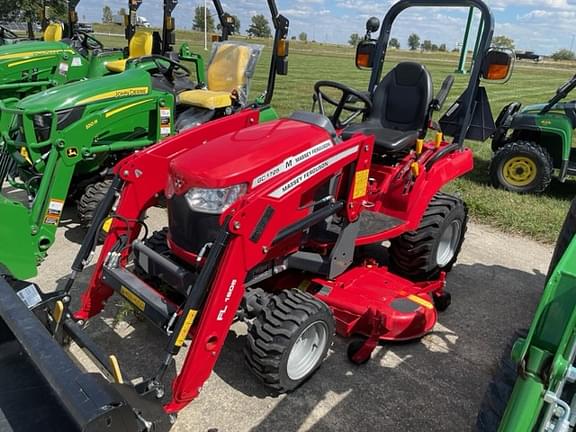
<point>370,300</point>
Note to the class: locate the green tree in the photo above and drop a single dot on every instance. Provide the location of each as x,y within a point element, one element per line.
<point>106,15</point>
<point>426,45</point>
<point>503,42</point>
<point>303,37</point>
<point>354,39</point>
<point>414,42</point>
<point>563,54</point>
<point>259,27</point>
<point>394,43</point>
<point>236,24</point>
<point>198,23</point>
<point>122,12</point>
<point>442,48</point>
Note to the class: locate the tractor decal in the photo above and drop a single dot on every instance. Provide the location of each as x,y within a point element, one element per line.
<point>292,183</point>
<point>28,61</point>
<point>133,91</point>
<point>34,54</point>
<point>125,107</point>
<point>291,162</point>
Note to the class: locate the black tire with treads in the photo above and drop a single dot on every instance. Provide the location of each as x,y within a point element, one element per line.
<point>413,254</point>
<point>275,331</point>
<point>90,200</point>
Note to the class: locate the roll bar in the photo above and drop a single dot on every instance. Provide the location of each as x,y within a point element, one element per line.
<point>226,26</point>
<point>469,95</point>
<point>133,6</point>
<point>281,26</point>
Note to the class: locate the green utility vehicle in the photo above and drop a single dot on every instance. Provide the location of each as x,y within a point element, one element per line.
<point>63,142</point>
<point>535,387</point>
<point>534,144</point>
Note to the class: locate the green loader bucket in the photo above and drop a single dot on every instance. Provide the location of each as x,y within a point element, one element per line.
<point>41,388</point>
<point>17,250</point>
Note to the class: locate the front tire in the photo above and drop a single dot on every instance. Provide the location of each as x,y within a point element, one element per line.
<point>522,167</point>
<point>434,246</point>
<point>90,200</point>
<point>289,340</point>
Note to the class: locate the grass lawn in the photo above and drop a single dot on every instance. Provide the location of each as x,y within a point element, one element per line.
<point>540,217</point>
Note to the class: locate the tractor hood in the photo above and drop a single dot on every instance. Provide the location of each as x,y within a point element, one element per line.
<point>253,155</point>
<point>14,54</point>
<point>130,83</point>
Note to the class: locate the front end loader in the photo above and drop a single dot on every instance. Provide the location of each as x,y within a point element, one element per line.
<point>267,223</point>
<point>68,150</point>
<point>534,388</point>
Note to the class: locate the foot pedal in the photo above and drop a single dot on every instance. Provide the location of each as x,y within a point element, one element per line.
<point>372,222</point>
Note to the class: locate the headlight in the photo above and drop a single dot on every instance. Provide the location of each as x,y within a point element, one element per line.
<point>42,123</point>
<point>214,201</point>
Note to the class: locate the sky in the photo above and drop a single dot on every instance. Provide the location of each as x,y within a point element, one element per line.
<point>542,26</point>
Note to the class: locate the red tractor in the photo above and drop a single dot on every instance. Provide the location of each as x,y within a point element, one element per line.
<point>267,224</point>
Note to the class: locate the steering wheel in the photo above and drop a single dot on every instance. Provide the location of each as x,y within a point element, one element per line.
<point>160,62</point>
<point>87,41</point>
<point>6,33</point>
<point>348,102</point>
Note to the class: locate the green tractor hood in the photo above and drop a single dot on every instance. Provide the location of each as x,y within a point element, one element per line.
<point>19,59</point>
<point>130,83</point>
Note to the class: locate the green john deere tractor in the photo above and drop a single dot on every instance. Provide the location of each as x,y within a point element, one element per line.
<point>535,387</point>
<point>65,54</point>
<point>534,144</point>
<point>62,143</point>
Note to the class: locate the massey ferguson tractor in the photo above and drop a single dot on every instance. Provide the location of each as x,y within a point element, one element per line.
<point>266,224</point>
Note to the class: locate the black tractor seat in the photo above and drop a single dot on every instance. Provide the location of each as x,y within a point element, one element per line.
<point>400,109</point>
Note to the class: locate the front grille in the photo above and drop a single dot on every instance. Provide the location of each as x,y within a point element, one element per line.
<point>190,230</point>
<point>7,165</point>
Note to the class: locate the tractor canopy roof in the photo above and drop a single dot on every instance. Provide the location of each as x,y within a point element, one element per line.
<point>130,83</point>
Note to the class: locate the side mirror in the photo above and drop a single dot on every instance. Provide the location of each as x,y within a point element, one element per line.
<point>282,48</point>
<point>498,65</point>
<point>365,53</point>
<point>372,25</point>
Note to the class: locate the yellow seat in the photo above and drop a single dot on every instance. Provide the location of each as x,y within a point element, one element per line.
<point>53,33</point>
<point>206,99</point>
<point>226,74</point>
<point>140,45</point>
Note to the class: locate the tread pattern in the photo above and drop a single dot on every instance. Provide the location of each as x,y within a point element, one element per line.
<point>413,253</point>
<point>90,200</point>
<point>498,392</point>
<point>275,330</point>
<point>543,160</point>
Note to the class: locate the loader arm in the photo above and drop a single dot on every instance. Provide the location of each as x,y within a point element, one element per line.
<point>546,356</point>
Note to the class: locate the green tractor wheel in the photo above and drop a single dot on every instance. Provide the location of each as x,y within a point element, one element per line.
<point>522,167</point>
<point>88,203</point>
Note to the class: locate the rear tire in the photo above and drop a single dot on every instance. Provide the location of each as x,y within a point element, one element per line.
<point>89,202</point>
<point>289,340</point>
<point>434,246</point>
<point>521,167</point>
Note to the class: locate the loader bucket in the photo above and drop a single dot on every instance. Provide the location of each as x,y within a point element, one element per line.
<point>17,254</point>
<point>41,388</point>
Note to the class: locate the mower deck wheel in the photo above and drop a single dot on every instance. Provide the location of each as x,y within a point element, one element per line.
<point>442,301</point>
<point>89,201</point>
<point>353,348</point>
<point>289,340</point>
<point>434,246</point>
<point>522,167</point>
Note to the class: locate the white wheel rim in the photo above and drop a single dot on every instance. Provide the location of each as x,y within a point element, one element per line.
<point>448,243</point>
<point>307,350</point>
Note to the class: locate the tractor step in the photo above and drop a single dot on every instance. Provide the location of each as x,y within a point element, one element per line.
<point>372,222</point>
<point>153,305</point>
